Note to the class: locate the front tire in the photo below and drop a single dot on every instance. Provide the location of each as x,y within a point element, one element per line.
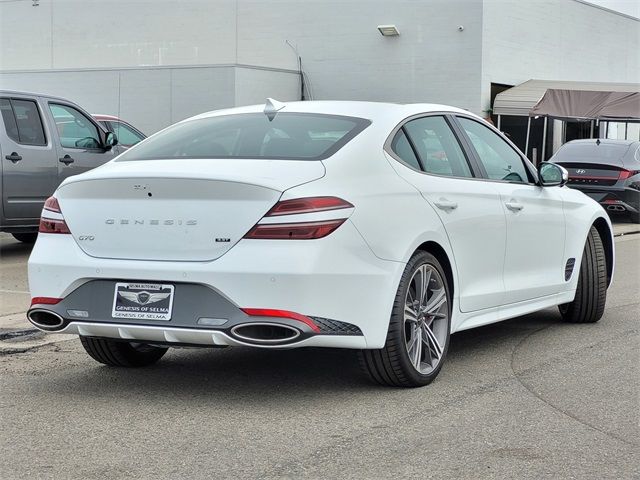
<point>419,328</point>
<point>591,292</point>
<point>121,354</point>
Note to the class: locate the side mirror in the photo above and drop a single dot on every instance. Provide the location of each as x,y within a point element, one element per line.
<point>110,140</point>
<point>552,175</point>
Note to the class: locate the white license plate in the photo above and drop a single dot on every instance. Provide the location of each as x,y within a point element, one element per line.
<point>143,301</point>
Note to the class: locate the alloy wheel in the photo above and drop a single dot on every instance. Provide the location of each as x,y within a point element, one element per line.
<point>426,313</point>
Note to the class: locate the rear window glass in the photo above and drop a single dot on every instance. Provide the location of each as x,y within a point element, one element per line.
<point>290,136</point>
<point>591,153</point>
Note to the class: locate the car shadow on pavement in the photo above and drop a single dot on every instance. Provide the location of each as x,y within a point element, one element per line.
<point>10,248</point>
<point>256,374</point>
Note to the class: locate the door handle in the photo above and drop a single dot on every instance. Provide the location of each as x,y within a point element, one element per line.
<point>514,206</point>
<point>66,159</point>
<point>14,157</point>
<point>446,205</point>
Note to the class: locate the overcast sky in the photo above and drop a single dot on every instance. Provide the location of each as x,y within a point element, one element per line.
<point>630,7</point>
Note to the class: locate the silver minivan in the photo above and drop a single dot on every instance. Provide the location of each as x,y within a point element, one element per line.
<point>43,140</point>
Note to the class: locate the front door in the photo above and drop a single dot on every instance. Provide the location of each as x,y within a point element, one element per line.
<point>80,141</point>
<point>534,256</point>
<point>29,161</point>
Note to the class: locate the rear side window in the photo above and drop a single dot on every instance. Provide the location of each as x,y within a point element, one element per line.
<point>22,121</point>
<point>437,147</point>
<point>401,147</point>
<point>289,136</point>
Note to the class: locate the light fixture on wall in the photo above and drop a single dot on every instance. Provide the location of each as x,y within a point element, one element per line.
<point>388,30</point>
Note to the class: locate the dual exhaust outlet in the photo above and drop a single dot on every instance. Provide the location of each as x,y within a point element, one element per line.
<point>259,333</point>
<point>616,208</point>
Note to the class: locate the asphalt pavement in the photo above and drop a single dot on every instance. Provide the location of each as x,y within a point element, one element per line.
<point>528,398</point>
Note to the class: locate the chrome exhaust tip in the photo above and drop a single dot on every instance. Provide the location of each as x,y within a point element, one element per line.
<point>45,319</point>
<point>265,333</point>
<point>616,208</point>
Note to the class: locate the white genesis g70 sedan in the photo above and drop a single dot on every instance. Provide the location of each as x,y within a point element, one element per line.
<point>370,226</point>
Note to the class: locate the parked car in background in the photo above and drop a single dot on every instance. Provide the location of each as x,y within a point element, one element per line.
<point>43,140</point>
<point>370,226</point>
<point>127,134</point>
<point>606,170</point>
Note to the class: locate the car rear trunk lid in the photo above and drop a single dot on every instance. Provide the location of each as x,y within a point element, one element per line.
<point>175,210</point>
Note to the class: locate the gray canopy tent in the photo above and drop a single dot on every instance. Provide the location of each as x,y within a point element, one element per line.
<point>574,101</point>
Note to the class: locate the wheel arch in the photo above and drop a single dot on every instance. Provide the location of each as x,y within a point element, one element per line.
<point>606,235</point>
<point>440,253</point>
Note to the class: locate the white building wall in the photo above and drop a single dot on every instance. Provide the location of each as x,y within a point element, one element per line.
<point>556,40</point>
<point>345,56</point>
<point>158,61</point>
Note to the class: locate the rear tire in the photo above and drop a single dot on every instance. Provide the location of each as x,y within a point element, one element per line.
<point>591,292</point>
<point>25,237</point>
<point>419,328</point>
<point>121,354</point>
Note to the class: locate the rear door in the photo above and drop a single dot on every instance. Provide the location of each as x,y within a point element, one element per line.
<point>29,163</point>
<point>470,210</point>
<point>533,263</point>
<point>79,140</point>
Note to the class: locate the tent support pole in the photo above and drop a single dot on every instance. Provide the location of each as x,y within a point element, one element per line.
<point>526,143</point>
<point>499,121</point>
<point>544,140</point>
<point>591,132</point>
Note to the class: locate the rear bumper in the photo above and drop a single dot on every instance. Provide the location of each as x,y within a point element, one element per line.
<point>613,198</point>
<point>198,337</point>
<point>336,278</point>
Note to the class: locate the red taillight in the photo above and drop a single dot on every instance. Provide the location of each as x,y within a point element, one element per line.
<point>52,220</point>
<point>268,312</point>
<point>45,301</point>
<point>52,205</point>
<point>48,225</point>
<point>298,206</point>
<point>307,230</point>
<point>294,231</point>
<point>624,174</point>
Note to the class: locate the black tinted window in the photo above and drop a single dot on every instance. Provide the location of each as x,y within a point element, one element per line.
<point>438,147</point>
<point>606,153</point>
<point>22,121</point>
<point>9,120</point>
<point>401,147</point>
<point>297,136</point>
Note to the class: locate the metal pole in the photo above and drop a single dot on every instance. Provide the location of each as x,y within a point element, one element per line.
<point>591,131</point>
<point>543,154</point>
<point>626,129</point>
<point>526,143</point>
<point>499,116</point>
